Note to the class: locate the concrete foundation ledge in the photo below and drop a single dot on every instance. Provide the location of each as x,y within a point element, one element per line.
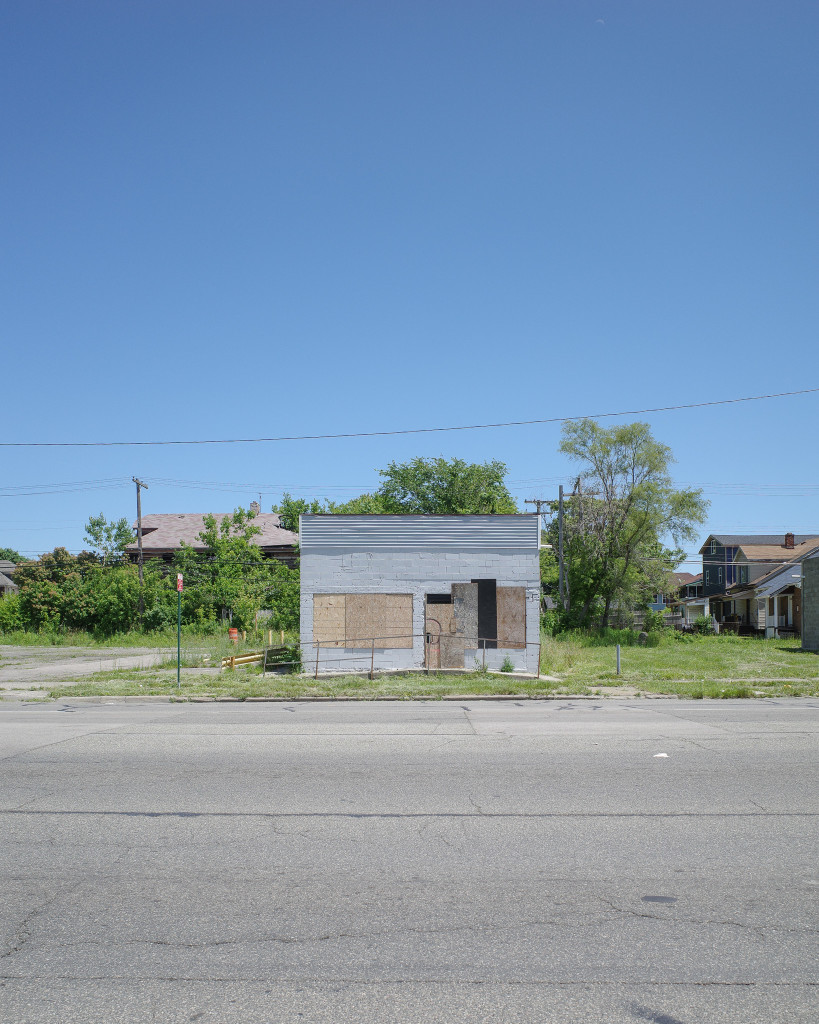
<point>524,677</point>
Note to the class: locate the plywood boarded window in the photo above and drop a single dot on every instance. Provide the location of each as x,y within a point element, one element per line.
<point>352,620</point>
<point>511,603</point>
<point>328,620</point>
<point>386,617</point>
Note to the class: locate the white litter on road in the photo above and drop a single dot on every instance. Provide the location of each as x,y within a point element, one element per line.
<point>661,755</point>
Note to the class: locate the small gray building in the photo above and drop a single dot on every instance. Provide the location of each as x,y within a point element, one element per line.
<point>415,591</point>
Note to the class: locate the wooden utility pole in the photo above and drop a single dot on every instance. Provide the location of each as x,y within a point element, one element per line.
<point>563,590</point>
<point>139,485</point>
<point>561,570</point>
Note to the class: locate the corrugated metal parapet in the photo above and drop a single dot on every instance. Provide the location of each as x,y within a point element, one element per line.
<point>425,533</point>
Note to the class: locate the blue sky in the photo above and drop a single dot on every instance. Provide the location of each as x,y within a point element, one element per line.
<point>257,219</point>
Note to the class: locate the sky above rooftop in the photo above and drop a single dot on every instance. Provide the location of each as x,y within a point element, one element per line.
<point>251,220</point>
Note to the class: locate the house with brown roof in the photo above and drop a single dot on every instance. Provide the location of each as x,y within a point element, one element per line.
<point>163,534</point>
<point>689,603</point>
<point>664,600</point>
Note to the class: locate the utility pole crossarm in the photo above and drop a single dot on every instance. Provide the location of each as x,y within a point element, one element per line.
<point>539,502</point>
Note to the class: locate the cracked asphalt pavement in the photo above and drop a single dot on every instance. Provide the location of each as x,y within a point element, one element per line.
<point>410,862</point>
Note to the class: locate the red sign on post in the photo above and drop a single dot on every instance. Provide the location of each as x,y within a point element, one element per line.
<point>179,582</point>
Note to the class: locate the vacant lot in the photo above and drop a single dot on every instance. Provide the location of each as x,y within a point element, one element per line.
<point>715,667</point>
<point>689,666</point>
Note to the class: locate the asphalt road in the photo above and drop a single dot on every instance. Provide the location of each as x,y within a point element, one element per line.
<point>421,862</point>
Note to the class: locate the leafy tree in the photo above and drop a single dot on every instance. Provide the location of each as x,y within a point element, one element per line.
<point>10,555</point>
<point>363,505</point>
<point>434,486</point>
<point>10,616</point>
<point>108,540</point>
<point>623,506</point>
<point>43,585</point>
<point>219,575</point>
<point>235,576</point>
<point>291,508</point>
<point>112,597</point>
<point>446,487</point>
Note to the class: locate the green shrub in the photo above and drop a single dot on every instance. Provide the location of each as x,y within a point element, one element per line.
<point>703,625</point>
<point>508,665</point>
<point>609,637</point>
<point>551,622</point>
<point>10,617</point>
<point>289,655</point>
<point>653,620</point>
<point>158,618</point>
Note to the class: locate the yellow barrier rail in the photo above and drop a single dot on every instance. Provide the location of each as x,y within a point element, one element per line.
<point>251,658</point>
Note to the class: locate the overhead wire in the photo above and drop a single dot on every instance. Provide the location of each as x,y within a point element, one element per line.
<point>412,430</point>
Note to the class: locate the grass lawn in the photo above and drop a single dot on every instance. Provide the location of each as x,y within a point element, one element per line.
<point>244,683</point>
<point>717,667</point>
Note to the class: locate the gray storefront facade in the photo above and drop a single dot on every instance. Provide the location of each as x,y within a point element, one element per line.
<point>415,591</point>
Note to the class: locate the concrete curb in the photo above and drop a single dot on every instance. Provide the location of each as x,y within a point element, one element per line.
<point>470,697</point>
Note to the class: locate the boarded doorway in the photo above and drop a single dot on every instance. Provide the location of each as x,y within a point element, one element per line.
<point>451,625</point>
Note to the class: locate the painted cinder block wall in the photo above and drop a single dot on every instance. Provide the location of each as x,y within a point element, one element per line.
<point>810,604</point>
<point>416,555</point>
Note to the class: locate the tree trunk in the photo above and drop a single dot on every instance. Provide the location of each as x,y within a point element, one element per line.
<point>604,621</point>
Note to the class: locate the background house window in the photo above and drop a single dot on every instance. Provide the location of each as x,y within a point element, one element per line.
<point>707,575</point>
<point>713,547</point>
<point>719,575</point>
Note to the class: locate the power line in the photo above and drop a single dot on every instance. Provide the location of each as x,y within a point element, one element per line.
<point>755,489</point>
<point>393,433</point>
<point>63,487</point>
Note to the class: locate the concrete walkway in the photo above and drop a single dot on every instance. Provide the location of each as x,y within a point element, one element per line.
<point>24,671</point>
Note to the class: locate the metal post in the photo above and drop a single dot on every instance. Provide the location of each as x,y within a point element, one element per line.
<point>372,660</point>
<point>618,659</point>
<point>484,657</point>
<point>178,637</point>
<point>539,646</point>
<point>317,658</point>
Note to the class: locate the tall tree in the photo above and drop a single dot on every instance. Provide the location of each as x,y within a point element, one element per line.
<point>234,575</point>
<point>434,486</point>
<point>619,519</point>
<point>108,540</point>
